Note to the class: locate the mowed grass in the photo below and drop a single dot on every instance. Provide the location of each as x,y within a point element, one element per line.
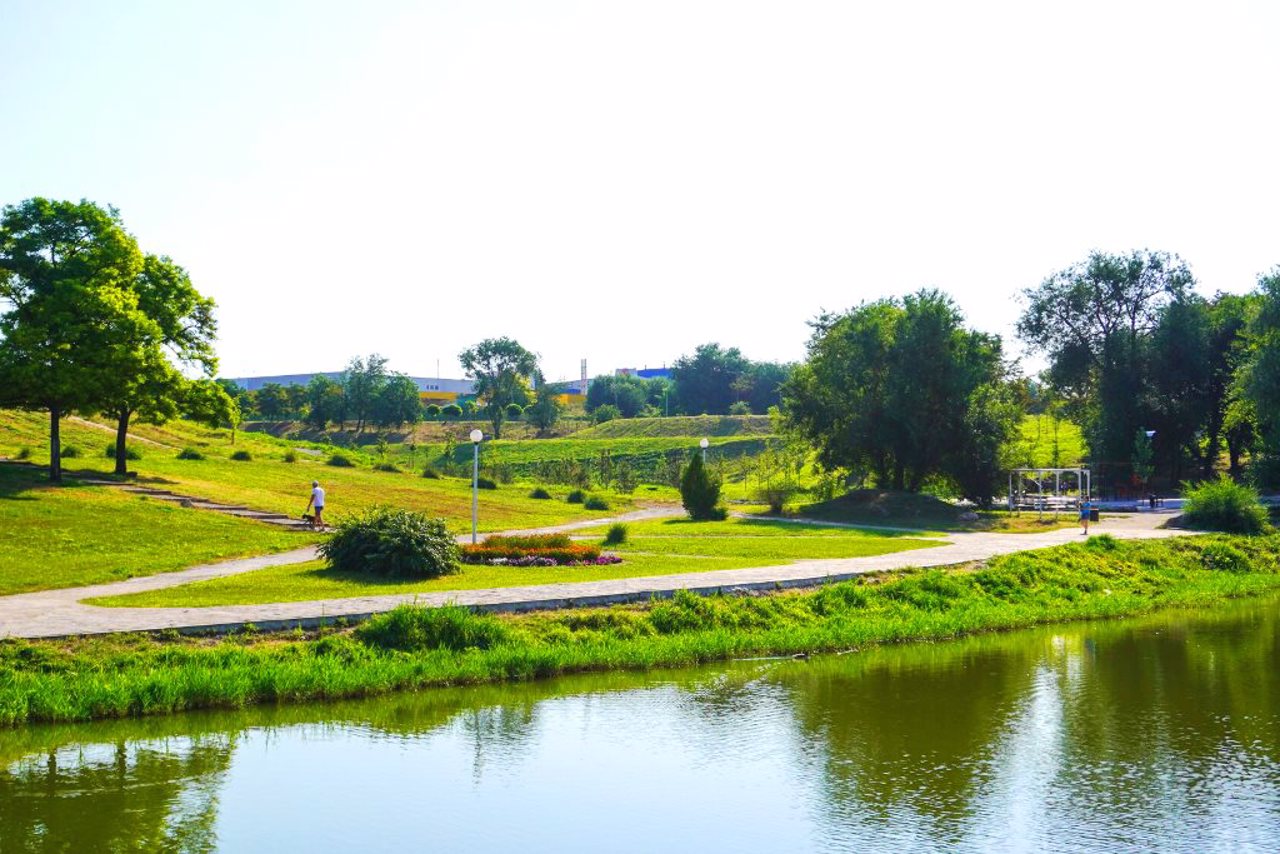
<point>69,536</point>
<point>643,555</point>
<point>269,483</point>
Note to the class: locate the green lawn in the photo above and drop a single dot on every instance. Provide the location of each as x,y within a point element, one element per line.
<point>75,535</point>
<point>737,544</point>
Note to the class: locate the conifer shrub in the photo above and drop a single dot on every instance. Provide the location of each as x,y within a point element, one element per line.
<point>341,461</point>
<point>577,496</point>
<point>616,535</point>
<point>242,456</point>
<point>595,502</point>
<point>392,542</point>
<point>485,483</point>
<point>130,452</point>
<point>70,452</point>
<point>540,493</point>
<point>430,473</point>
<point>700,492</point>
<point>290,456</point>
<point>190,454</point>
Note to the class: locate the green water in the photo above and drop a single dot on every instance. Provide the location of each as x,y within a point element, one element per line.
<point>1153,735</point>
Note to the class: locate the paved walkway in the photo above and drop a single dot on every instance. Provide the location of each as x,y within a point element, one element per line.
<point>58,613</point>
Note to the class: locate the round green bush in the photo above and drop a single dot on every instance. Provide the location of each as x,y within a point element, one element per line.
<point>430,473</point>
<point>539,493</point>
<point>514,410</point>
<point>485,483</point>
<point>1224,505</point>
<point>70,452</point>
<point>242,456</point>
<point>392,542</point>
<point>290,456</point>
<point>595,502</point>
<point>452,410</point>
<point>130,452</point>
<point>341,461</point>
<point>576,497</point>
<point>190,454</point>
<point>391,467</point>
<point>741,407</point>
<point>616,535</point>
<point>605,413</point>
<point>431,411</point>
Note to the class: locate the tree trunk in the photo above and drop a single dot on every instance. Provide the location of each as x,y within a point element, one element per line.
<point>122,436</point>
<point>55,444</point>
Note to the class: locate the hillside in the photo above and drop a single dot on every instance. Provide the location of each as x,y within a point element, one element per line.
<point>695,426</point>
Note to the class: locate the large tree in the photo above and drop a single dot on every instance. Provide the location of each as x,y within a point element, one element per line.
<point>704,382</point>
<point>1260,380</point>
<point>501,370</point>
<point>361,383</point>
<point>66,276</point>
<point>145,357</point>
<point>901,390</point>
<point>397,402</point>
<point>1095,321</point>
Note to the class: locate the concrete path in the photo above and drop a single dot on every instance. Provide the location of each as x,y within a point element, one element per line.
<point>58,613</point>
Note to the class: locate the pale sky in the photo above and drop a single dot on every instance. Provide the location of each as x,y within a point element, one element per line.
<point>623,181</point>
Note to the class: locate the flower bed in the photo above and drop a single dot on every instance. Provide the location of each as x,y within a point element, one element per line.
<point>536,550</point>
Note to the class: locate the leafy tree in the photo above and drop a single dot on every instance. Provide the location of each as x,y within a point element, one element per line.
<point>1095,322</point>
<point>66,270</point>
<point>760,386</point>
<point>628,394</point>
<point>327,403</point>
<point>864,399</point>
<point>272,401</point>
<point>1260,376</point>
<point>658,392</point>
<point>546,408</point>
<point>181,330</point>
<point>501,370</point>
<point>607,412</point>
<point>208,402</point>
<point>362,381</point>
<point>397,402</point>
<point>704,382</point>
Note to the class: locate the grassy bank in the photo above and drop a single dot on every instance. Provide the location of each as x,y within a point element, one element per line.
<point>120,676</point>
<point>69,536</point>
<point>653,548</point>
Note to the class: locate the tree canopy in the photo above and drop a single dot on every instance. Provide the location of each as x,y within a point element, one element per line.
<point>900,390</point>
<point>501,370</point>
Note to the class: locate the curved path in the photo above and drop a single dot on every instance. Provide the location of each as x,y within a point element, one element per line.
<point>59,613</point>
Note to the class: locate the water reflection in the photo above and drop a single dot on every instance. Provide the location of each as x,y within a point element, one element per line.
<point>1159,734</point>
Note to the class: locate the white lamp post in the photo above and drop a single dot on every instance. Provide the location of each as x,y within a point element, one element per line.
<point>476,438</point>
<point>703,445</point>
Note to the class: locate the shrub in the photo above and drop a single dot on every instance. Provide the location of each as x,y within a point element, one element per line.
<point>740,408</point>
<point>514,410</point>
<point>485,483</point>
<point>700,491</point>
<point>577,496</point>
<point>1224,557</point>
<point>1223,505</point>
<point>430,473</point>
<point>340,461</point>
<point>242,456</point>
<point>595,502</point>
<point>452,410</point>
<point>540,493</point>
<point>70,452</point>
<point>290,456</point>
<point>616,535</point>
<point>130,452</point>
<point>190,454</point>
<point>392,542</point>
<point>608,412</point>
<point>412,629</point>
<point>432,411</point>
<point>391,467</point>
<point>24,453</point>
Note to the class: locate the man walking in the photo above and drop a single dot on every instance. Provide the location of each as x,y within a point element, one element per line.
<point>317,502</point>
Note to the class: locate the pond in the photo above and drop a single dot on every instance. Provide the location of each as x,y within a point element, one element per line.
<point>1156,734</point>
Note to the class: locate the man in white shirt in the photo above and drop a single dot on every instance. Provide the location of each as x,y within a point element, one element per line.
<point>317,501</point>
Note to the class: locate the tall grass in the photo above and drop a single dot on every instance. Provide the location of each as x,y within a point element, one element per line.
<point>1224,505</point>
<point>416,648</point>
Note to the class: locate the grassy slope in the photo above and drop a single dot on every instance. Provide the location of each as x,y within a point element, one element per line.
<point>652,549</point>
<point>903,509</point>
<point>411,648</point>
<point>269,483</point>
<point>69,536</point>
<point>692,426</point>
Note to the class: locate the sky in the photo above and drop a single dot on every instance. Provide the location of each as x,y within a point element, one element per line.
<point>622,181</point>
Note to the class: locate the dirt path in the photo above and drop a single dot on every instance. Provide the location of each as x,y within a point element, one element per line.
<point>56,613</point>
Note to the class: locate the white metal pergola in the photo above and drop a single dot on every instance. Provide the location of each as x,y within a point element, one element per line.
<point>1069,487</point>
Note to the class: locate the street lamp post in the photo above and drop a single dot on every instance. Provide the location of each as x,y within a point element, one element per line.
<point>703,445</point>
<point>476,438</point>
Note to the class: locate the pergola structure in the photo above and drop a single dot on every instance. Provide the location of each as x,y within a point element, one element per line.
<point>1044,489</point>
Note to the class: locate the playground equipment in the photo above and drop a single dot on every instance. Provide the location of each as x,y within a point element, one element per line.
<point>1048,489</point>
